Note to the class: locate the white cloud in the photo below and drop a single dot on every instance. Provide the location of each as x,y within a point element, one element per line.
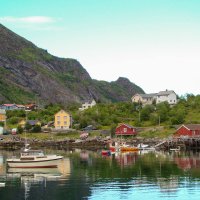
<point>28,20</point>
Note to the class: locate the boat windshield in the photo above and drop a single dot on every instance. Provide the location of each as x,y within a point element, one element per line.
<point>32,153</point>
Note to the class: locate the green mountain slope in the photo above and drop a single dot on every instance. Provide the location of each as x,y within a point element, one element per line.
<point>28,72</point>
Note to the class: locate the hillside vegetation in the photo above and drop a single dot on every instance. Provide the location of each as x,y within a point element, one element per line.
<point>107,116</point>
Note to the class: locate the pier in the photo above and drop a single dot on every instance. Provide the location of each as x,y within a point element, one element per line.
<point>184,143</point>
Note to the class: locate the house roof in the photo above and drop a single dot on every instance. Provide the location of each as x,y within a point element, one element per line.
<point>192,127</point>
<point>8,105</point>
<point>32,122</point>
<point>127,125</point>
<point>20,106</point>
<point>63,111</point>
<point>29,105</point>
<point>165,93</point>
<point>151,95</point>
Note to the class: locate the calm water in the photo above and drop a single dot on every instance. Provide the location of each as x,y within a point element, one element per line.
<point>88,175</point>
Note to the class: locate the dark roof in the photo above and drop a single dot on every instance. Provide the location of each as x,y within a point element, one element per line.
<point>147,95</point>
<point>165,93</point>
<point>192,127</point>
<point>32,122</point>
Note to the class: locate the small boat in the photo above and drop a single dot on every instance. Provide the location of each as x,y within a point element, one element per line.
<point>128,148</point>
<point>175,149</point>
<point>105,153</point>
<point>145,147</point>
<point>33,159</point>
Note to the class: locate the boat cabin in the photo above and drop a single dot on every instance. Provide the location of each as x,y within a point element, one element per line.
<point>31,154</point>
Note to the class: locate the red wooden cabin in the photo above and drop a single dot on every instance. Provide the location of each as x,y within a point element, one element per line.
<point>188,130</point>
<point>125,129</point>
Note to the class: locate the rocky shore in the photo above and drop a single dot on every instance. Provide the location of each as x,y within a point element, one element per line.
<point>16,142</point>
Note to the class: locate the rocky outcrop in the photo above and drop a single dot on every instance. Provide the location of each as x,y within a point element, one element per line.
<point>27,72</point>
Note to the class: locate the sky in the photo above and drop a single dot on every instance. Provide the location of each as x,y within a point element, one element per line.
<point>154,43</point>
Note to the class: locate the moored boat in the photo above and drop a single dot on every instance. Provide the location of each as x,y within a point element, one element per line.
<point>105,153</point>
<point>33,159</point>
<point>128,148</point>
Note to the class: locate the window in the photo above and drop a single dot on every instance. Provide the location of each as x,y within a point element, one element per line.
<point>58,122</point>
<point>58,118</point>
<point>125,130</point>
<point>65,122</point>
<point>65,118</point>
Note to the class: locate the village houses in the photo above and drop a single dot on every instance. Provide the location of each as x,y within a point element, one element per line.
<point>62,120</point>
<point>87,105</point>
<point>162,96</point>
<point>23,122</point>
<point>125,129</point>
<point>2,115</point>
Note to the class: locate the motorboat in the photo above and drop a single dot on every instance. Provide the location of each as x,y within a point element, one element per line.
<point>105,152</point>
<point>125,147</point>
<point>145,147</point>
<point>33,159</point>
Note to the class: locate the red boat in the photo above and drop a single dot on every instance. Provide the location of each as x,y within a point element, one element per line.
<point>105,153</point>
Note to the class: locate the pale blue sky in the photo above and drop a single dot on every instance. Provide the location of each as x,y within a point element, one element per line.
<point>154,43</point>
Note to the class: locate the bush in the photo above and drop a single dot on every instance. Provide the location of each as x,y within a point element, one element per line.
<point>19,130</point>
<point>36,129</point>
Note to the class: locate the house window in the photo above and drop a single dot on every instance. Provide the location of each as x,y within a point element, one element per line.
<point>125,130</point>
<point>58,118</point>
<point>58,122</point>
<point>65,122</point>
<point>65,118</point>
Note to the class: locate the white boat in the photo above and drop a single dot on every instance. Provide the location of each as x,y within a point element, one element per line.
<point>145,147</point>
<point>175,149</point>
<point>33,159</point>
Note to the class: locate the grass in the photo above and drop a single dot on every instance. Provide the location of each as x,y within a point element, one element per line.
<point>157,132</point>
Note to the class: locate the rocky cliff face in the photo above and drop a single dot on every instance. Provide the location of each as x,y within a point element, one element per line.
<point>27,72</point>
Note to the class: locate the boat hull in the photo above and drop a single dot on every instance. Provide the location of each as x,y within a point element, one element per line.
<point>124,149</point>
<point>47,163</point>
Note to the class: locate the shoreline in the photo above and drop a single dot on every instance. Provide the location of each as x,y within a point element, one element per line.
<point>87,144</point>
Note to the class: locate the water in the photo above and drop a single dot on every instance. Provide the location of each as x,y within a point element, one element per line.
<point>88,175</point>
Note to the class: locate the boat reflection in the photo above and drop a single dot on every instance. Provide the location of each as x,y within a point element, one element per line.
<point>39,176</point>
<point>126,159</point>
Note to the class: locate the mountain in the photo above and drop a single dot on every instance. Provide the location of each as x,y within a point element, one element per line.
<point>28,73</point>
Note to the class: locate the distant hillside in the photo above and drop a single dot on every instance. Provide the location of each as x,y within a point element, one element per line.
<point>28,72</point>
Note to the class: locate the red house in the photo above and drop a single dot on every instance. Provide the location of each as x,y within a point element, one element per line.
<point>124,129</point>
<point>188,130</point>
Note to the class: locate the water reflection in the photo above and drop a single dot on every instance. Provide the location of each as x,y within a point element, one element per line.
<point>126,159</point>
<point>30,178</point>
<point>89,175</point>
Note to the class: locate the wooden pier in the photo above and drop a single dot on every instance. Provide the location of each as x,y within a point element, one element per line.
<point>184,143</point>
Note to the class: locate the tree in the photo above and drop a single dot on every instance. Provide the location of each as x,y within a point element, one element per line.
<point>112,130</point>
<point>36,129</point>
<point>28,126</point>
<point>19,129</point>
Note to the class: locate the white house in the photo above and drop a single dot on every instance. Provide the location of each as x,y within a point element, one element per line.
<point>87,105</point>
<point>168,95</point>
<point>144,98</point>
